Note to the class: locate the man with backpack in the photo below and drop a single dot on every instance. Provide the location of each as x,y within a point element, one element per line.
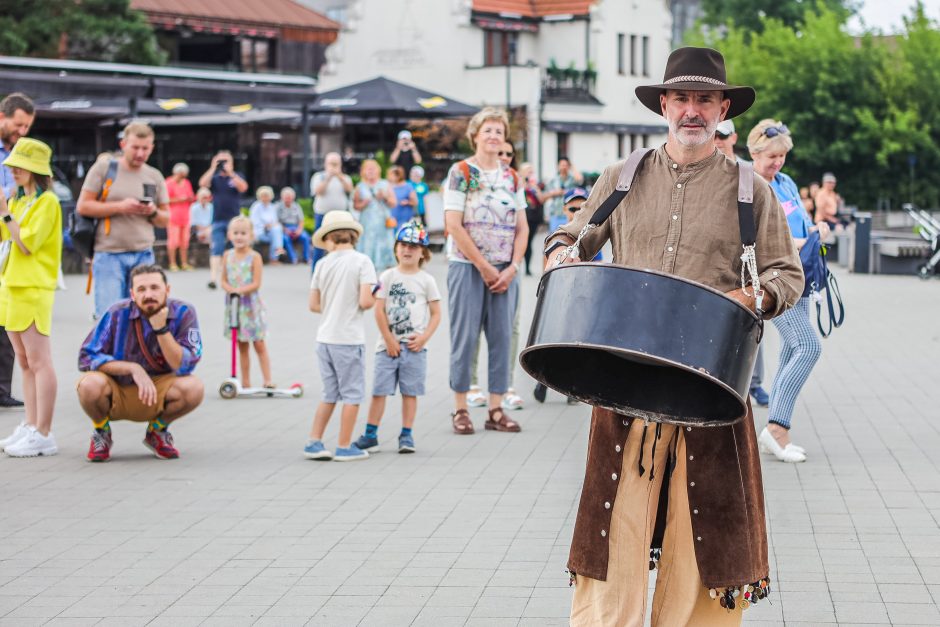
<point>127,198</point>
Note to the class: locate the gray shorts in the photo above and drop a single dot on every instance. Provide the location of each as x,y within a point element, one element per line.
<point>343,372</point>
<point>407,372</point>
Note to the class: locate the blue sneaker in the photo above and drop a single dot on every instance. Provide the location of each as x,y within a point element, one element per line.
<point>316,450</point>
<point>351,454</point>
<point>406,444</point>
<point>760,396</point>
<point>365,443</point>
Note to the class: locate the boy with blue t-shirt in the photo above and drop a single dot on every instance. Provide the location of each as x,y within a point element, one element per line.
<point>342,288</point>
<point>408,311</point>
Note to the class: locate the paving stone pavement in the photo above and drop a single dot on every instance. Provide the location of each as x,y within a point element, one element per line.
<point>242,530</point>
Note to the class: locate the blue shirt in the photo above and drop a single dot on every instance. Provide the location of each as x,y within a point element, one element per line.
<point>789,196</point>
<point>6,174</point>
<point>421,189</point>
<point>225,198</point>
<point>114,338</point>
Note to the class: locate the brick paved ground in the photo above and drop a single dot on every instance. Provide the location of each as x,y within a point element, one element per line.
<point>242,530</point>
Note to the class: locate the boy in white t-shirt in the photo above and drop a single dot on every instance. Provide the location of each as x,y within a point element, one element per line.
<point>408,311</point>
<point>342,288</point>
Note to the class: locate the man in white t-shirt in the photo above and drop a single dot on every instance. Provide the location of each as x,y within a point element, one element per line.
<point>331,189</point>
<point>342,288</point>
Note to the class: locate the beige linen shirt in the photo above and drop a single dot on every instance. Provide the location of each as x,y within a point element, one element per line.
<point>683,220</point>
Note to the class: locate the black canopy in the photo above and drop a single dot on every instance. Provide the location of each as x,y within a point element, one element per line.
<point>386,98</point>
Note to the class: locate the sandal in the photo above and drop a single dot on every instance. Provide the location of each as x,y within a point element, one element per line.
<point>503,424</point>
<point>462,423</point>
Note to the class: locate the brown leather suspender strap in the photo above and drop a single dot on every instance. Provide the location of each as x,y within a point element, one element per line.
<point>139,328</point>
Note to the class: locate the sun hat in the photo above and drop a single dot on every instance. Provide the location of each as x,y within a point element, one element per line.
<point>413,233</point>
<point>31,155</point>
<point>697,69</point>
<point>335,221</point>
<point>406,134</point>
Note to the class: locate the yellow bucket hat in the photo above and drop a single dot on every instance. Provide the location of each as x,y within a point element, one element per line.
<point>31,155</point>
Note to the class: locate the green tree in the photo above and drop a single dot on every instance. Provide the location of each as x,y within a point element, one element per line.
<point>93,30</point>
<point>750,15</point>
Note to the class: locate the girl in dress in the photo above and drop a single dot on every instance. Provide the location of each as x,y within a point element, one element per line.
<point>241,275</point>
<point>372,199</point>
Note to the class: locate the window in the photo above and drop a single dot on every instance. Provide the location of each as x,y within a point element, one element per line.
<point>646,141</point>
<point>620,146</point>
<point>499,47</point>
<point>633,145</point>
<point>621,64</point>
<point>256,55</point>
<point>562,145</point>
<point>632,55</point>
<point>646,54</point>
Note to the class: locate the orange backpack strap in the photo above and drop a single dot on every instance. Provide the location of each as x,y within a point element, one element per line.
<point>106,189</point>
<point>515,180</point>
<point>464,167</point>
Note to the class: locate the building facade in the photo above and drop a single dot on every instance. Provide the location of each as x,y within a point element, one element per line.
<point>569,66</point>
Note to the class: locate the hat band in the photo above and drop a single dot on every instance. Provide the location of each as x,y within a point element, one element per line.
<point>693,79</point>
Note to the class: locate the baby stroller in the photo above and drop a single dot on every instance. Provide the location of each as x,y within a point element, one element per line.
<point>929,230</point>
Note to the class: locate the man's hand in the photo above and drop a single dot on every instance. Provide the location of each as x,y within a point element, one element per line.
<point>393,348</point>
<point>132,206</point>
<point>158,320</point>
<point>146,390</point>
<point>504,279</point>
<point>745,299</point>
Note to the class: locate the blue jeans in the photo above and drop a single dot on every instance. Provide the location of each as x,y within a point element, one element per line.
<point>111,272</point>
<point>219,238</point>
<point>304,238</point>
<point>318,253</point>
<point>274,238</point>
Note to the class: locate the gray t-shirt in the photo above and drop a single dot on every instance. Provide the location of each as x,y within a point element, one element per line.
<point>127,232</point>
<point>338,276</point>
<point>406,302</point>
<point>334,198</point>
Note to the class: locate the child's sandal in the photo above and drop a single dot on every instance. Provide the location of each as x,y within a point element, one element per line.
<point>505,423</point>
<point>462,423</point>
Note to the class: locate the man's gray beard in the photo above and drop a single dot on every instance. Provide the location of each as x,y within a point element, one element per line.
<point>707,135</point>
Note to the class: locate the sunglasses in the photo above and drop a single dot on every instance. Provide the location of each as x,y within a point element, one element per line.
<point>722,135</point>
<point>773,131</point>
<point>506,154</point>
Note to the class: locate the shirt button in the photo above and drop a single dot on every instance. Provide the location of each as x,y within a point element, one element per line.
<point>695,511</point>
<point>604,533</point>
<point>679,185</point>
<point>776,273</point>
<point>617,448</point>
<point>613,476</point>
<point>699,538</point>
<point>607,505</point>
<point>675,217</point>
<point>669,249</point>
<point>692,484</point>
<point>691,457</point>
<point>675,165</point>
<point>688,428</point>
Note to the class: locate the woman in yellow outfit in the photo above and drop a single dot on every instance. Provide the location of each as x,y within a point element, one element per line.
<point>32,221</point>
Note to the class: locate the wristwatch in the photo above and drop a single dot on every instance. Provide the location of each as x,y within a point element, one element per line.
<point>8,218</point>
<point>153,214</point>
<point>162,330</point>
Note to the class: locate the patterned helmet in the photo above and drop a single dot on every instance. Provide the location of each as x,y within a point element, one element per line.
<point>413,232</point>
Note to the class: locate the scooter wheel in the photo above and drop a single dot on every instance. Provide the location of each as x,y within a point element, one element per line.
<point>297,389</point>
<point>923,272</point>
<point>228,390</point>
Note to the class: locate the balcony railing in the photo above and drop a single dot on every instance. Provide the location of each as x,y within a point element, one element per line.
<point>568,85</point>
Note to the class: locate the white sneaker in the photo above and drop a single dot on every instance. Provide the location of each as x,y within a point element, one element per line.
<point>768,444</point>
<point>476,397</point>
<point>34,444</point>
<point>21,431</point>
<point>512,400</point>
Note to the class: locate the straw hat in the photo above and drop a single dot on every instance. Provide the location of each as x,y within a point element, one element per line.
<point>31,155</point>
<point>335,221</point>
<point>697,69</point>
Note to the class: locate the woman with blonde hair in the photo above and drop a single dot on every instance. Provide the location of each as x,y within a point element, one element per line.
<point>31,228</point>
<point>769,142</point>
<point>373,199</point>
<point>484,211</point>
<point>268,229</point>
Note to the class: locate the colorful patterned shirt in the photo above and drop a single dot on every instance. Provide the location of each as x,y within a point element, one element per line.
<point>489,202</point>
<point>114,338</point>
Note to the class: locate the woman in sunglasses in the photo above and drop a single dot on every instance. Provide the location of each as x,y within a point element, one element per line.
<point>769,142</point>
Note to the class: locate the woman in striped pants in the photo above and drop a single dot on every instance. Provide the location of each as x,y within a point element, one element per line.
<point>769,142</point>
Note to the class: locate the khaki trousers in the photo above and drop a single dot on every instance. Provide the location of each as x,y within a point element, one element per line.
<point>680,597</point>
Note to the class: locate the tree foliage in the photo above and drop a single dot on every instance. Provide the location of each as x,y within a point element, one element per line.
<point>91,30</point>
<point>750,15</point>
<point>863,107</point>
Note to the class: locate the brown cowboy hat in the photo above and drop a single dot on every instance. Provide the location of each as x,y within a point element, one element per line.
<point>697,69</point>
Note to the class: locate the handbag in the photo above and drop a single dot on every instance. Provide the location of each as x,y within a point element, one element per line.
<point>6,246</point>
<point>818,279</point>
<point>82,229</point>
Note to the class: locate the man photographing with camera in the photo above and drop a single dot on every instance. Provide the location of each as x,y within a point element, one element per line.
<point>406,153</point>
<point>128,198</point>
<point>226,186</point>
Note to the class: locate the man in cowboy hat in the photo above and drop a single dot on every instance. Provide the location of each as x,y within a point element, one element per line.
<point>697,498</point>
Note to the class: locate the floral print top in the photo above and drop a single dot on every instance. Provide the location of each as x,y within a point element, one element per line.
<point>489,202</point>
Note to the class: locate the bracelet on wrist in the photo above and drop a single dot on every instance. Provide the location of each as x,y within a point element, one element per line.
<point>162,330</point>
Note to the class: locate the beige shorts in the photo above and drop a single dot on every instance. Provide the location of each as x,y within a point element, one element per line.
<point>125,399</point>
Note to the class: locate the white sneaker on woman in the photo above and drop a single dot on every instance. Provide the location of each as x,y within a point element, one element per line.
<point>476,397</point>
<point>34,444</point>
<point>768,444</point>
<point>21,431</point>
